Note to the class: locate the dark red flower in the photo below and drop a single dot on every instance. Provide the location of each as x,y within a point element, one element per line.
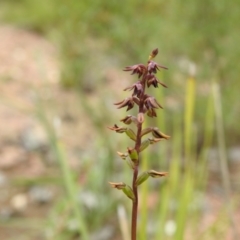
<point>136,69</point>
<point>152,80</point>
<point>129,102</point>
<point>151,102</point>
<point>153,67</point>
<point>136,87</point>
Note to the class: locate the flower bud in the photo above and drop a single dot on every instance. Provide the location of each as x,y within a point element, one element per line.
<point>130,163</point>
<point>144,145</point>
<point>133,154</point>
<point>153,54</point>
<point>131,134</point>
<point>146,131</point>
<point>125,188</point>
<point>142,178</point>
<point>129,192</point>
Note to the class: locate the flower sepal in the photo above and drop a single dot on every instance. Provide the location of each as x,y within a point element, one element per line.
<point>156,174</point>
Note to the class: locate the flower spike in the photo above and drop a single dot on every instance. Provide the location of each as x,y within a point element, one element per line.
<point>146,106</point>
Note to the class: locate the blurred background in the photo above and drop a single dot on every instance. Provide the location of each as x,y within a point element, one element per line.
<point>61,71</point>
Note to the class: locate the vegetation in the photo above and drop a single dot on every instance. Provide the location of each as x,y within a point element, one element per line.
<point>198,40</point>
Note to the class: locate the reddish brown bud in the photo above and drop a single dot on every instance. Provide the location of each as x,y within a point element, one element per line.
<point>151,102</point>
<point>153,54</point>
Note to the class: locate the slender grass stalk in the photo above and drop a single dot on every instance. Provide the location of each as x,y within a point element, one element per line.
<point>122,216</point>
<point>187,179</point>
<point>99,121</point>
<point>188,118</point>
<point>146,105</point>
<point>170,190</point>
<point>184,202</point>
<point>67,174</point>
<point>207,141</point>
<point>223,155</point>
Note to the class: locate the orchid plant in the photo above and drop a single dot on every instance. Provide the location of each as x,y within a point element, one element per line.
<point>146,105</point>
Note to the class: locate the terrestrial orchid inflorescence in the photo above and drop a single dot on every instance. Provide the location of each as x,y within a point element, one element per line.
<point>147,105</point>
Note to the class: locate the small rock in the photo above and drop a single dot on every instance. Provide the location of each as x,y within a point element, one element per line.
<point>11,156</point>
<point>234,154</point>
<point>3,180</point>
<point>89,199</point>
<point>6,213</point>
<point>104,233</point>
<point>40,194</point>
<point>34,138</point>
<point>19,202</point>
<point>72,225</point>
<point>213,160</point>
<point>170,227</point>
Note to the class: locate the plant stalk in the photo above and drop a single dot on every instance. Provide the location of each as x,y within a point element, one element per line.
<point>146,105</point>
<point>134,204</point>
<point>135,170</point>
